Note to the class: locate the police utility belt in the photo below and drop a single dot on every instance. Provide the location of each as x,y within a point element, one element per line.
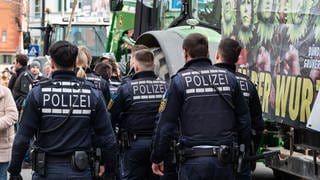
<point>79,160</point>
<point>126,138</point>
<point>226,154</point>
<point>199,151</point>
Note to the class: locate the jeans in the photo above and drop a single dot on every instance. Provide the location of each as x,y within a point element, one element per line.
<point>205,168</point>
<point>63,171</point>
<point>3,170</point>
<point>135,161</point>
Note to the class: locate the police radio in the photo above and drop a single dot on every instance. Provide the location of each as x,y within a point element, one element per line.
<point>38,161</point>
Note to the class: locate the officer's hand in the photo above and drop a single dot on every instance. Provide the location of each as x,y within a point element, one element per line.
<point>101,171</point>
<point>158,168</point>
<point>15,177</point>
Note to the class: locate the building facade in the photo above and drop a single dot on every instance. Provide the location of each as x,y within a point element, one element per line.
<point>57,9</point>
<point>21,16</point>
<point>13,15</point>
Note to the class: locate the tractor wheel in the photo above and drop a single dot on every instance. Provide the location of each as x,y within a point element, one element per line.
<point>161,68</point>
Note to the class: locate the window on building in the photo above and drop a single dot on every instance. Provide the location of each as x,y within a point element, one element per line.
<point>4,36</point>
<point>37,9</point>
<point>71,4</point>
<point>6,59</point>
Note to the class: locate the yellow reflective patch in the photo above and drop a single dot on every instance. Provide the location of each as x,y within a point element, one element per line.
<point>110,104</point>
<point>163,105</point>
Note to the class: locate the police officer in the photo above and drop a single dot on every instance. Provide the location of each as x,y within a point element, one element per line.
<point>135,108</point>
<point>62,113</point>
<point>131,72</point>
<point>206,103</point>
<point>84,60</point>
<point>114,79</point>
<point>226,57</point>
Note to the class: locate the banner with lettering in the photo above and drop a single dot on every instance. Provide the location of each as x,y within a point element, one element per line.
<point>281,55</point>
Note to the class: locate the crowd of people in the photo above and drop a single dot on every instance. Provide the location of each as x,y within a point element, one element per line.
<point>72,114</point>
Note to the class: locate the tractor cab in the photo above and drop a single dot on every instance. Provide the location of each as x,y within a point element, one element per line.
<point>85,31</point>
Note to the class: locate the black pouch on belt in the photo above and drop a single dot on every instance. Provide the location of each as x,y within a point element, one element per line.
<point>225,154</point>
<point>80,160</point>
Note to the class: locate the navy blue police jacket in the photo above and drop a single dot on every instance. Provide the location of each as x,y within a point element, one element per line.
<point>251,96</point>
<point>114,84</point>
<point>47,106</point>
<point>203,116</point>
<point>100,83</point>
<point>135,105</point>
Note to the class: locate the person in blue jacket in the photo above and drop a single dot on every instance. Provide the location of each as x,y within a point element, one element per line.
<point>227,57</point>
<point>134,108</point>
<point>83,63</point>
<point>62,114</point>
<point>206,104</point>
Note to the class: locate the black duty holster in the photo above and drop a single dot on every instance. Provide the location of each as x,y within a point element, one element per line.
<point>125,139</point>
<point>173,155</point>
<point>229,154</point>
<point>38,161</point>
<point>96,161</point>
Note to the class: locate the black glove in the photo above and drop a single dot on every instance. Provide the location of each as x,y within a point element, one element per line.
<point>15,177</point>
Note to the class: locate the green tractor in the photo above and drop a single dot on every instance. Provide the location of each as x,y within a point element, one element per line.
<point>84,31</point>
<point>162,26</point>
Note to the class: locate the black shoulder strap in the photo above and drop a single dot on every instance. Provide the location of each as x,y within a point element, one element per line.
<point>214,87</point>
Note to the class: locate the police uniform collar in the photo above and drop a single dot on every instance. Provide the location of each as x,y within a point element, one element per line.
<point>144,74</point>
<point>114,79</point>
<point>63,74</point>
<point>229,67</point>
<point>198,62</point>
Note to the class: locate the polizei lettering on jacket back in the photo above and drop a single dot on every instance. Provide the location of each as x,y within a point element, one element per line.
<point>59,100</point>
<point>243,83</point>
<point>148,89</point>
<point>146,96</point>
<point>203,82</point>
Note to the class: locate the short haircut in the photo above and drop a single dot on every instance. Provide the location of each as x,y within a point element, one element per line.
<point>22,59</point>
<point>230,50</point>
<point>144,57</point>
<point>103,69</point>
<point>196,45</point>
<point>138,47</point>
<point>63,53</point>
